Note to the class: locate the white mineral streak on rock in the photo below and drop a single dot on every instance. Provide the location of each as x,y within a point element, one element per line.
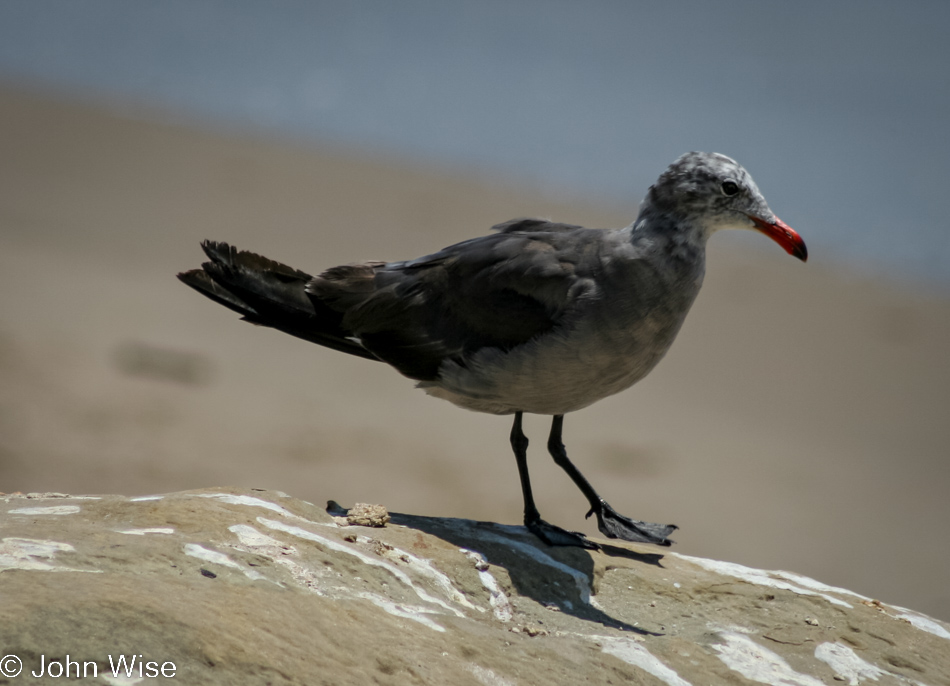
<point>207,555</point>
<point>814,585</point>
<point>253,541</point>
<point>580,579</point>
<point>425,568</point>
<point>500,606</point>
<point>488,677</point>
<point>846,663</point>
<point>634,653</point>
<point>807,586</point>
<point>47,496</point>
<point>774,579</point>
<point>218,558</point>
<point>251,501</point>
<point>282,553</point>
<point>48,510</point>
<point>253,538</point>
<point>142,532</point>
<point>360,555</point>
<point>413,612</point>
<point>922,622</point>
<point>121,680</point>
<point>143,498</point>
<point>756,663</point>
<point>32,554</point>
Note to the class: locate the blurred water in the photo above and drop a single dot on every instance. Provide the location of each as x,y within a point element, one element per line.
<point>840,110</point>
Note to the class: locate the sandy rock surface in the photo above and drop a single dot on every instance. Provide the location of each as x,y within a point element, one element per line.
<point>256,587</point>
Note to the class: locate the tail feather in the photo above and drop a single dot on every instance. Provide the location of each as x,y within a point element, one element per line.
<point>271,294</point>
<point>267,286</point>
<point>208,287</point>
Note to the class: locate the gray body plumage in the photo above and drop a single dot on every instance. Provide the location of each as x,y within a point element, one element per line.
<point>602,343</point>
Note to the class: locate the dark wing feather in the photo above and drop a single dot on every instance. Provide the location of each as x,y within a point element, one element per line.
<point>497,291</point>
<point>269,293</point>
<point>532,224</point>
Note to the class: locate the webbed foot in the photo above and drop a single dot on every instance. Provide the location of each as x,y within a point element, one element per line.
<point>612,524</point>
<point>555,535</point>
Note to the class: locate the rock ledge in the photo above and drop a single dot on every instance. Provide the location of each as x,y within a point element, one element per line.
<point>256,587</point>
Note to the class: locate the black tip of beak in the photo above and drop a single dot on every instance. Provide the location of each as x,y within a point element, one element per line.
<point>801,252</point>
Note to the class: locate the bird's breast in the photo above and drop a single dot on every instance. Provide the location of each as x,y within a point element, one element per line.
<point>602,350</point>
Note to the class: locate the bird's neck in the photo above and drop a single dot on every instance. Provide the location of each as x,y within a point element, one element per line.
<point>679,241</point>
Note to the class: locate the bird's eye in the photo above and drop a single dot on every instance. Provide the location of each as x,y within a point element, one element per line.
<point>729,188</point>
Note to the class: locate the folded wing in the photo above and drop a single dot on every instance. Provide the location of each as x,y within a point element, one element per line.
<point>500,291</point>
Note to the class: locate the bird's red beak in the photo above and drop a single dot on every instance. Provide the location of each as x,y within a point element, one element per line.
<point>783,234</point>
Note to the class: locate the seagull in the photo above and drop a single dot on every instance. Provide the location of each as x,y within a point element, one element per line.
<point>537,317</point>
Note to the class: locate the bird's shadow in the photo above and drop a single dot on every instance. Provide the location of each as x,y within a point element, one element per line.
<point>561,577</point>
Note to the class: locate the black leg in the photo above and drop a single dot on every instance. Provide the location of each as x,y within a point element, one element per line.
<point>611,523</point>
<point>550,534</point>
<point>519,443</point>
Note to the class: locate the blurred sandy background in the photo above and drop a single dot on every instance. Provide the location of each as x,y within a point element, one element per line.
<point>800,421</point>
